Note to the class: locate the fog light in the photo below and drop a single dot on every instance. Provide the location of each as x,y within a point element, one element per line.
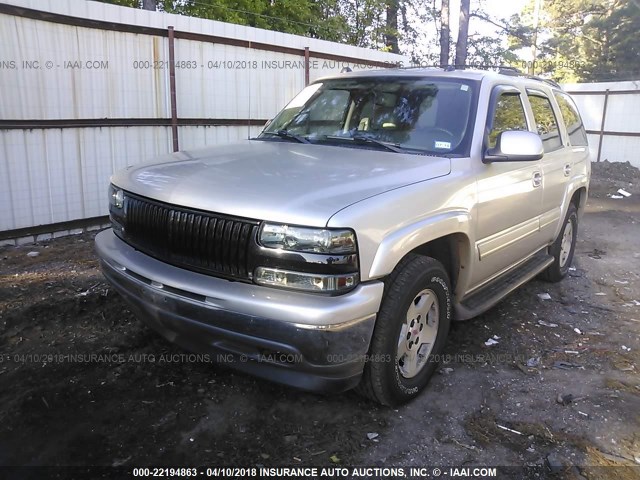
<point>310,282</point>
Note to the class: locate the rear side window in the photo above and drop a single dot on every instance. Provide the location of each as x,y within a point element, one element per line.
<point>545,122</point>
<point>575,128</point>
<point>509,115</point>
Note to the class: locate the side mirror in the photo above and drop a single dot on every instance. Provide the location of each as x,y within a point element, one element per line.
<point>515,146</point>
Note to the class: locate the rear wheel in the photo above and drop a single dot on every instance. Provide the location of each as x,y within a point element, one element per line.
<point>410,333</point>
<point>563,248</point>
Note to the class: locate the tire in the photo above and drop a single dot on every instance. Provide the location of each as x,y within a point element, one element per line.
<point>563,248</point>
<point>399,368</point>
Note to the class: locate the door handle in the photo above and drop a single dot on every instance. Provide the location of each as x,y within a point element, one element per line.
<point>567,170</point>
<point>537,179</point>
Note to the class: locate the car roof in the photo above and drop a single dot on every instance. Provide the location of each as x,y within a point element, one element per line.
<point>512,74</point>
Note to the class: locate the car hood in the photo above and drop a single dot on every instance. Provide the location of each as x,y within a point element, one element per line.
<point>279,181</point>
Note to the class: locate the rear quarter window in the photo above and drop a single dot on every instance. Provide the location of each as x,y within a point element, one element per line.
<point>572,120</point>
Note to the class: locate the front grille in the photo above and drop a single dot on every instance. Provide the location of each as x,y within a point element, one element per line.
<point>206,242</point>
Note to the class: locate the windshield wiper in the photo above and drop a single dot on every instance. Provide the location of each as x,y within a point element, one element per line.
<point>286,134</point>
<point>392,147</point>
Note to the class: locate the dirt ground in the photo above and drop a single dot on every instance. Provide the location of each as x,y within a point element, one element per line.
<point>561,387</point>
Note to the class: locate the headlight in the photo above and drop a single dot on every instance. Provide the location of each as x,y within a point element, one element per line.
<point>116,210</point>
<point>304,239</point>
<point>116,197</point>
<point>320,260</point>
<point>305,281</point>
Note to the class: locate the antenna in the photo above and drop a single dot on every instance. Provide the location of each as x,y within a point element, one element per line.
<point>249,119</point>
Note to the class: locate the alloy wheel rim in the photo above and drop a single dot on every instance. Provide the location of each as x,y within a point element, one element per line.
<point>418,333</point>
<point>565,246</point>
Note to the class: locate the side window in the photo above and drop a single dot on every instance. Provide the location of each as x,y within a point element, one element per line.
<point>509,115</point>
<point>545,122</point>
<point>575,128</point>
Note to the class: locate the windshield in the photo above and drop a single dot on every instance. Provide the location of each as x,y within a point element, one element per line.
<point>413,115</point>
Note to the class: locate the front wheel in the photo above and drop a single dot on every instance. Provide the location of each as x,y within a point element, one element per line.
<point>563,248</point>
<point>410,333</point>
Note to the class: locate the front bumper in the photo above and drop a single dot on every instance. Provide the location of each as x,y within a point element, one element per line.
<point>312,342</point>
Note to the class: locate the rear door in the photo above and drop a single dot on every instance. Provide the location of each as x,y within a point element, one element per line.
<point>575,133</point>
<point>556,164</point>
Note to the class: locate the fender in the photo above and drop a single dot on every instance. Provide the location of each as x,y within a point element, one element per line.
<point>576,183</point>
<point>396,245</point>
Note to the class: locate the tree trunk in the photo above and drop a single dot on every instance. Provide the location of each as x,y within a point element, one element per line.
<point>149,5</point>
<point>392,26</point>
<point>445,38</point>
<point>534,45</point>
<point>463,34</point>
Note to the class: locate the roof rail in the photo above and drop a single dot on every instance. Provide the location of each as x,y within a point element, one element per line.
<point>419,67</point>
<point>512,71</point>
<point>504,69</point>
<point>507,70</point>
<point>548,81</point>
<point>516,72</point>
<point>445,68</point>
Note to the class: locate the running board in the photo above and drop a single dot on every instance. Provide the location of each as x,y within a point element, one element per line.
<point>490,294</point>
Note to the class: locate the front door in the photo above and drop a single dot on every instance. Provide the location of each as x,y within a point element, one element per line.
<point>509,196</point>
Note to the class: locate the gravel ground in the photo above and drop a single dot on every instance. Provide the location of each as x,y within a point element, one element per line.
<point>560,388</point>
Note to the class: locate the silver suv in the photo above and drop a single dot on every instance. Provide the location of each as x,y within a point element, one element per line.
<point>334,250</point>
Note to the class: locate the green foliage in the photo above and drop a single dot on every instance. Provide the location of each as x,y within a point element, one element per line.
<point>584,40</point>
<point>312,18</point>
<point>500,48</point>
<point>289,16</point>
<point>124,3</point>
<point>362,23</point>
<point>485,51</point>
<point>365,22</point>
<point>509,115</point>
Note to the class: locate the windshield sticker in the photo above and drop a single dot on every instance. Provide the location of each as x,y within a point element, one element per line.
<point>442,144</point>
<point>464,88</point>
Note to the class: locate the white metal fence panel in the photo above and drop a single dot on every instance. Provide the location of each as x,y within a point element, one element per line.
<point>223,81</point>
<point>623,112</point>
<point>56,175</point>
<point>65,71</point>
<point>197,136</point>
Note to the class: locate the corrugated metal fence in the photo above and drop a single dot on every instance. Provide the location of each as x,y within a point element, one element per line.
<point>88,88</point>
